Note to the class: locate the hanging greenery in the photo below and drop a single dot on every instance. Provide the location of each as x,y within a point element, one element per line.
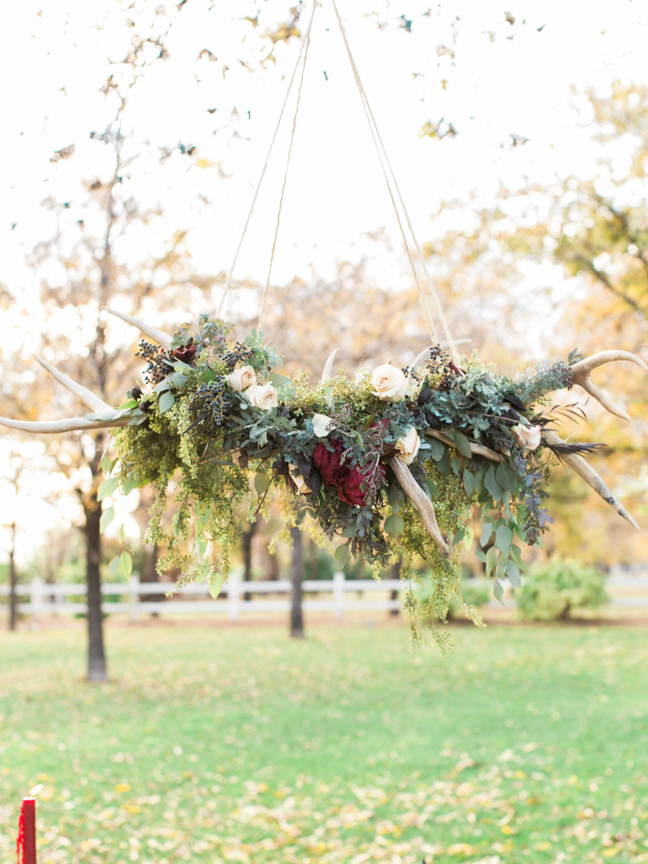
<point>346,455</point>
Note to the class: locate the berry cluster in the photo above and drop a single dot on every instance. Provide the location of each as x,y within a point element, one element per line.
<point>209,403</point>
<point>238,354</point>
<point>441,362</point>
<point>158,360</point>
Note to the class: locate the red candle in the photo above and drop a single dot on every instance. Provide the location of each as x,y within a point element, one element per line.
<point>27,832</point>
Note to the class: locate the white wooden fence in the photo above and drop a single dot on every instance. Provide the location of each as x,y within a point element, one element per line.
<point>38,598</point>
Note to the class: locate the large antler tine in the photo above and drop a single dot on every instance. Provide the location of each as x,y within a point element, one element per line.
<point>328,366</point>
<point>162,338</point>
<point>85,395</point>
<point>420,500</point>
<point>581,372</point>
<point>603,399</point>
<point>73,424</point>
<point>589,475</point>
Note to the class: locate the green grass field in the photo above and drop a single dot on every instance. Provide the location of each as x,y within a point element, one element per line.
<point>238,745</point>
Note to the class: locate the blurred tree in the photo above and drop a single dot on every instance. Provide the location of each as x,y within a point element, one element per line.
<point>87,264</point>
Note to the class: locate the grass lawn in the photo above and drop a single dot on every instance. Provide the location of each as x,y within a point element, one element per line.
<point>216,744</point>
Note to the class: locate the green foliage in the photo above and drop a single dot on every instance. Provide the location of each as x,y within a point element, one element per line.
<point>239,432</point>
<point>557,589</point>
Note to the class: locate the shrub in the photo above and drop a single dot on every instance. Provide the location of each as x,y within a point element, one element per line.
<point>554,590</point>
<point>475,595</point>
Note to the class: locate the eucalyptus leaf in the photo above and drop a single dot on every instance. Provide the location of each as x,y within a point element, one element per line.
<point>513,573</point>
<point>125,564</point>
<point>393,497</point>
<point>106,518</point>
<point>167,400</point>
<point>506,477</point>
<point>107,464</point>
<point>443,464</point>
<point>491,560</point>
<point>436,449</point>
<point>282,383</point>
<point>503,539</point>
<point>498,591</point>
<point>491,484</point>
<point>486,534</point>
<point>394,525</point>
<point>107,487</point>
<point>128,405</point>
<point>342,556</point>
<point>215,584</point>
<point>463,445</point>
<point>261,482</point>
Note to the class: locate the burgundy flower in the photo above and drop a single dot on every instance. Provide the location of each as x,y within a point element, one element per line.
<point>347,479</point>
<point>185,353</point>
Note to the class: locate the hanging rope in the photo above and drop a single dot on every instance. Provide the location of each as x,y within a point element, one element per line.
<point>307,39</point>
<point>390,178</point>
<point>302,47</point>
<point>391,182</point>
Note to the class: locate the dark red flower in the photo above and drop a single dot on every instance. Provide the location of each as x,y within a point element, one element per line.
<point>185,353</point>
<point>348,479</point>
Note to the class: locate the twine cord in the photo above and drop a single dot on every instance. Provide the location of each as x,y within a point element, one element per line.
<point>390,178</point>
<point>266,289</point>
<point>228,282</point>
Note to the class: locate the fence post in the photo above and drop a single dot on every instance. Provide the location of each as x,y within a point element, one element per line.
<point>338,595</point>
<point>134,597</point>
<point>233,597</point>
<point>36,598</point>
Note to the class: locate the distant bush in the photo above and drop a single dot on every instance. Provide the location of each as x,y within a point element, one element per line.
<point>554,590</point>
<point>472,594</point>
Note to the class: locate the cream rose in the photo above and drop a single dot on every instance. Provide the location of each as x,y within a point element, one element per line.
<point>242,378</point>
<point>408,446</point>
<point>298,479</point>
<point>321,423</point>
<point>262,396</point>
<point>527,437</point>
<point>389,383</point>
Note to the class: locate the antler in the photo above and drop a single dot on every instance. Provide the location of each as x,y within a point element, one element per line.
<point>581,372</point>
<point>71,424</point>
<point>420,500</point>
<point>97,405</point>
<point>159,335</point>
<point>589,475</point>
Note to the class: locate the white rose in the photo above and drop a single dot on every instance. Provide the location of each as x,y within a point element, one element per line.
<point>527,437</point>
<point>242,378</point>
<point>408,446</point>
<point>321,423</point>
<point>389,383</point>
<point>298,479</point>
<point>262,396</point>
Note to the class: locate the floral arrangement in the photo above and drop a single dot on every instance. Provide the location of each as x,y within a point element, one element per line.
<point>392,465</point>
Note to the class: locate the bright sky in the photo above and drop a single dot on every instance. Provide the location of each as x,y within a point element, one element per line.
<point>493,79</point>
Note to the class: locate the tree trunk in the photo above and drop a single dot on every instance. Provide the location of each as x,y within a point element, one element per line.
<point>247,555</point>
<point>395,574</point>
<point>97,668</point>
<point>13,581</point>
<point>297,576</point>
